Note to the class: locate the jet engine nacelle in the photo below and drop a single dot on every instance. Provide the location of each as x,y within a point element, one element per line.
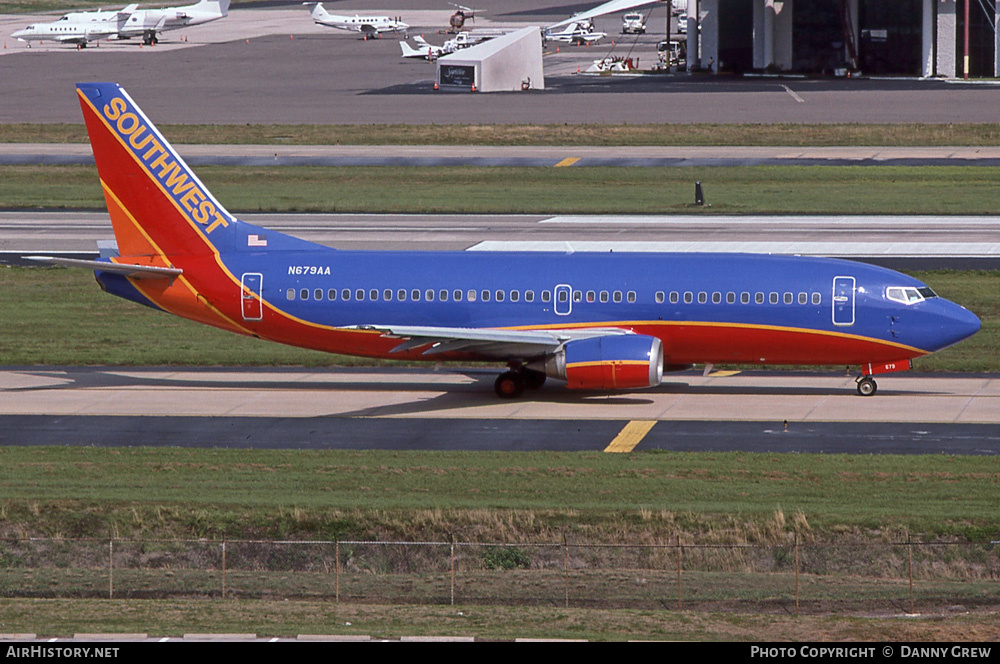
<point>608,362</point>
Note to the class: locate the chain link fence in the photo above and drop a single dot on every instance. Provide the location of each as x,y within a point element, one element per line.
<point>899,577</point>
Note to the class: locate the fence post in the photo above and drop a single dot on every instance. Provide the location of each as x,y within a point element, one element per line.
<point>566,567</point>
<point>111,569</point>
<point>453,572</point>
<point>796,573</point>
<point>223,569</point>
<point>909,565</point>
<point>678,572</point>
<point>337,572</point>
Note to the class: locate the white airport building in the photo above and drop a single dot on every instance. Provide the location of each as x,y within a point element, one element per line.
<point>926,38</point>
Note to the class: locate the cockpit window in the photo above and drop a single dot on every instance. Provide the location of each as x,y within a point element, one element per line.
<point>909,295</point>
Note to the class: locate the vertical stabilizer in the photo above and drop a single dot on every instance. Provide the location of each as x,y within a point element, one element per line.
<point>158,206</point>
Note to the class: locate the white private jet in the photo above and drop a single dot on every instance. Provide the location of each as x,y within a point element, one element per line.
<point>576,32</point>
<point>423,50</point>
<point>79,28</point>
<point>84,27</point>
<point>146,23</point>
<point>369,26</point>
<point>462,40</point>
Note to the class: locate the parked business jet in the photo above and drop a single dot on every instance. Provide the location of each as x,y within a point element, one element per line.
<point>424,49</point>
<point>575,32</point>
<point>77,27</point>
<point>599,321</point>
<point>146,23</point>
<point>84,27</point>
<point>369,26</point>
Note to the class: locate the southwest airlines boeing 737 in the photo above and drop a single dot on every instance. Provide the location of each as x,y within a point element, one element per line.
<point>598,321</point>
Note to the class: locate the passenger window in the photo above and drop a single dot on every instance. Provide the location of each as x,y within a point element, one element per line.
<point>415,294</point>
<point>803,298</point>
<point>660,297</point>
<point>674,297</point>
<point>546,296</point>
<point>499,295</point>
<point>745,297</point>
<point>304,294</point>
<point>630,296</point>
<point>443,295</point>
<point>730,297</point>
<point>577,296</point>
<point>318,294</point>
<point>789,298</point>
<point>618,296</point>
<point>716,297</point>
<point>290,294</point>
<point>472,295</point>
<point>563,296</point>
<point>774,298</point>
<point>758,298</point>
<point>359,295</point>
<point>702,297</point>
<point>345,294</point>
<point>485,295</point>
<point>817,298</point>
<point>387,295</point>
<point>688,297</point>
<point>429,295</point>
<point>401,294</point>
<point>515,296</point>
<point>604,296</point>
<point>373,295</point>
<point>529,296</point>
<point>456,295</point>
<point>331,294</point>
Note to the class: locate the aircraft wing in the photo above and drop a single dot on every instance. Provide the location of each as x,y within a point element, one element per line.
<point>607,8</point>
<point>499,344</point>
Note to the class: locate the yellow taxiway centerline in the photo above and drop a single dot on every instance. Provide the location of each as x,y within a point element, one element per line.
<point>630,436</point>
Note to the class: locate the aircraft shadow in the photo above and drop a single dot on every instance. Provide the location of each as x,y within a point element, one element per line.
<point>441,397</point>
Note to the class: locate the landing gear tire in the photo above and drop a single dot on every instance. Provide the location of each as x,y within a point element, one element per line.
<point>867,386</point>
<point>509,385</point>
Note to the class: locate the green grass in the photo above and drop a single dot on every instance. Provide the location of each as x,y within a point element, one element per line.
<point>717,498</point>
<point>800,135</point>
<point>597,190</point>
<point>60,316</point>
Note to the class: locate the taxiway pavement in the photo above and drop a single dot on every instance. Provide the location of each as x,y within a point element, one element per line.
<point>457,409</point>
<point>275,66</point>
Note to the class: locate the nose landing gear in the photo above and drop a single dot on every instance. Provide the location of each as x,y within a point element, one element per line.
<point>866,386</point>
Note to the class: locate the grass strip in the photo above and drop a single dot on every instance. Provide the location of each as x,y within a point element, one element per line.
<point>60,316</point>
<point>687,135</point>
<point>853,190</point>
<point>644,497</point>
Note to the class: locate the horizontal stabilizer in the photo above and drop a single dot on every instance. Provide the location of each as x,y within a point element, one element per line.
<point>137,271</point>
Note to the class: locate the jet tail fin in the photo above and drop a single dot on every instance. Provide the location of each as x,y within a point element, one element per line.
<point>158,206</point>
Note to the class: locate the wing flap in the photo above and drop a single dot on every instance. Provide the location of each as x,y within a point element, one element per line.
<point>491,343</point>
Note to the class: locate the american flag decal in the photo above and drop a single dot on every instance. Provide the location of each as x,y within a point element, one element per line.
<point>256,240</point>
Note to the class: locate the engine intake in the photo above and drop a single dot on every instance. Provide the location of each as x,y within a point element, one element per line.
<point>609,362</point>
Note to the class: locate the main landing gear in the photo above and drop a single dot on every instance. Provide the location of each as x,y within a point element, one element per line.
<point>511,384</point>
<point>866,386</point>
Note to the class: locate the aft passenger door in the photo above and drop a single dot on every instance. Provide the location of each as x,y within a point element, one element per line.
<point>250,297</point>
<point>843,301</point>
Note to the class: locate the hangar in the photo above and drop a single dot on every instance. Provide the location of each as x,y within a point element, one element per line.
<point>926,38</point>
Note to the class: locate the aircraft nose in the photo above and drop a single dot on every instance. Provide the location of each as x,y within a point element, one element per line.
<point>954,323</point>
